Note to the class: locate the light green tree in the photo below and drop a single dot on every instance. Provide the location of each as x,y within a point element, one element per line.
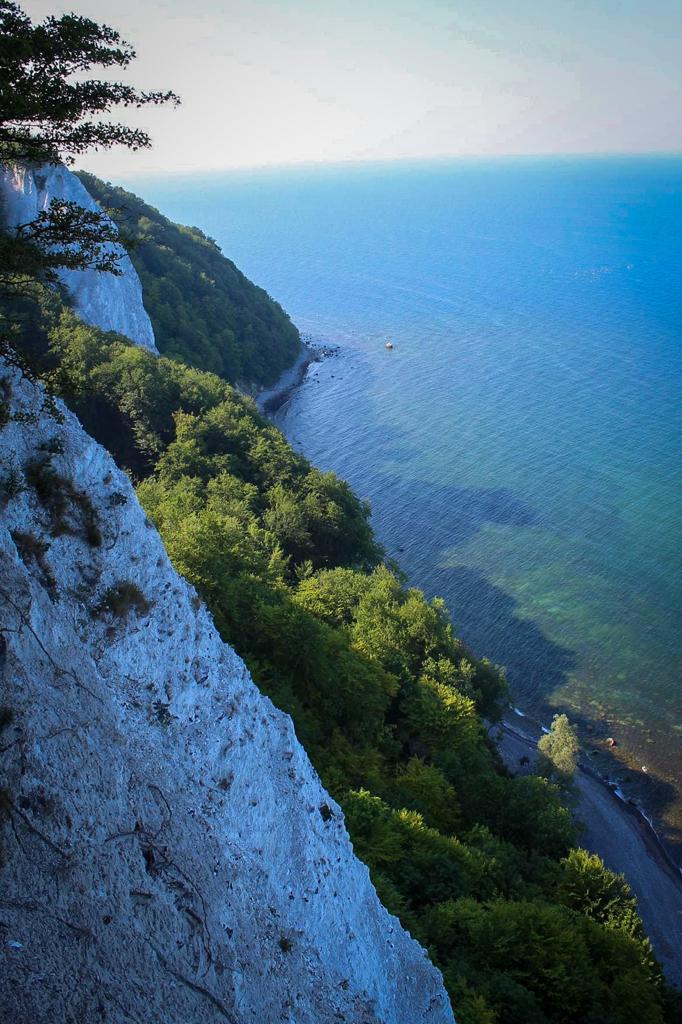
<point>559,750</point>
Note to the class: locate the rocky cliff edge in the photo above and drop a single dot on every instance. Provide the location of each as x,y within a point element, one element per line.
<point>111,302</point>
<point>169,854</point>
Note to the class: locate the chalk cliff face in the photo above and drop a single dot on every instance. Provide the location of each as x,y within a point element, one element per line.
<point>169,852</point>
<point>110,302</point>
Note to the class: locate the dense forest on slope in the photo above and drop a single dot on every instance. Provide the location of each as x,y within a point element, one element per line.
<point>203,309</point>
<point>480,866</point>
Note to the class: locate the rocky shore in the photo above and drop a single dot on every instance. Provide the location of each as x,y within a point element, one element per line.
<point>615,828</point>
<point>623,837</point>
<point>270,400</point>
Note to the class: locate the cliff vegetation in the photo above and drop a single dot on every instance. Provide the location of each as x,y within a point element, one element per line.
<point>203,309</point>
<point>482,867</point>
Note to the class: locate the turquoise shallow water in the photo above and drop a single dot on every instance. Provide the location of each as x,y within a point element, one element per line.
<point>521,444</point>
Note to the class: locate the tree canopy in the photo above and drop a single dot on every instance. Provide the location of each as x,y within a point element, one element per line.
<point>49,113</point>
<point>203,309</point>
<point>559,749</point>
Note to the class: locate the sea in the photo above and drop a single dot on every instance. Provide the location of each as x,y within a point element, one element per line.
<point>521,442</point>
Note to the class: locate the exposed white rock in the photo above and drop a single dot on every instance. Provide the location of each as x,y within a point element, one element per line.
<point>166,858</point>
<point>111,302</point>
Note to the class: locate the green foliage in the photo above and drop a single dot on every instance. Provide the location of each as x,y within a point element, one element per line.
<point>49,112</point>
<point>411,637</point>
<point>203,310</point>
<point>47,105</point>
<point>535,961</point>
<point>423,787</point>
<point>588,886</point>
<point>425,866</point>
<point>559,750</point>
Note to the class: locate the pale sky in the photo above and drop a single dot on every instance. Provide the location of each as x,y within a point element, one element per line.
<point>295,81</point>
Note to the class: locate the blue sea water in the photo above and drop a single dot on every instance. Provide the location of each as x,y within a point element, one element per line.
<point>521,444</point>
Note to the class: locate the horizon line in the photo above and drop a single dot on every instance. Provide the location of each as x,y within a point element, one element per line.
<point>359,162</point>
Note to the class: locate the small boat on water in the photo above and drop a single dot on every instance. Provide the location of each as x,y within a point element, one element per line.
<point>389,344</point>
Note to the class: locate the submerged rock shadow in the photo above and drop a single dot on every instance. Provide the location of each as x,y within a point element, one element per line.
<point>450,515</point>
<point>418,523</point>
<point>485,617</point>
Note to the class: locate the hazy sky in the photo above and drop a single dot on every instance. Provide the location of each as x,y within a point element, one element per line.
<point>267,82</point>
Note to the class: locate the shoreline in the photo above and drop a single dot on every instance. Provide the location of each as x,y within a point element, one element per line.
<point>617,829</point>
<point>270,400</point>
<point>627,805</point>
<point>621,834</point>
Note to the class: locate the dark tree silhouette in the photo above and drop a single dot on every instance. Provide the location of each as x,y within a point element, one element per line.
<point>50,113</point>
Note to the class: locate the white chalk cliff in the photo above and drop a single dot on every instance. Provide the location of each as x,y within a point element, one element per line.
<point>170,855</point>
<point>111,302</point>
